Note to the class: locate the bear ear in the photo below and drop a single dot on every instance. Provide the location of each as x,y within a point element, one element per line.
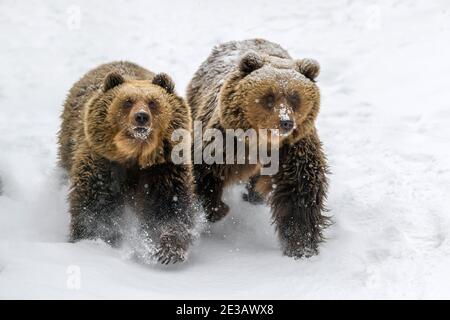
<point>112,79</point>
<point>250,62</point>
<point>165,81</point>
<point>310,68</point>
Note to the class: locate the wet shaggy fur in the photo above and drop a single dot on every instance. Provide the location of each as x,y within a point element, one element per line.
<point>112,167</point>
<point>252,84</point>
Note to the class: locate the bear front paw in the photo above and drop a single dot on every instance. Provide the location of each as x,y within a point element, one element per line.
<point>253,197</point>
<point>171,250</point>
<point>297,250</point>
<point>217,212</point>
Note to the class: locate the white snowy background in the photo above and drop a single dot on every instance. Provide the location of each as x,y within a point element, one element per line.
<point>385,124</point>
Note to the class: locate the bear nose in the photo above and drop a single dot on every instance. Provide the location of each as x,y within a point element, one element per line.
<point>141,118</point>
<point>286,125</point>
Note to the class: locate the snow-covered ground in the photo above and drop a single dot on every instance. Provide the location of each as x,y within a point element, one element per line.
<point>385,123</point>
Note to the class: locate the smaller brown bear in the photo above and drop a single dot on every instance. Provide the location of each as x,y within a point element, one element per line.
<point>115,143</point>
<point>255,84</point>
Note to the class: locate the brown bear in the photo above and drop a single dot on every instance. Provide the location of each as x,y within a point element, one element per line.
<point>255,84</point>
<point>115,143</point>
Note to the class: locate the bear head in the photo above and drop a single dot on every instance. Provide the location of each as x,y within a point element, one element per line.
<point>131,121</point>
<point>271,93</point>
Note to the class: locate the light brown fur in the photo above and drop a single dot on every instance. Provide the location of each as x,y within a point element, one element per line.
<point>113,160</point>
<point>255,84</point>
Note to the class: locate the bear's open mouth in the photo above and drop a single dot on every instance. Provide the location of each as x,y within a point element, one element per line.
<point>140,133</point>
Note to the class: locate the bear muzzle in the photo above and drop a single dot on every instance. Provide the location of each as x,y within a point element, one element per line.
<point>142,125</point>
<point>286,126</point>
<point>287,122</point>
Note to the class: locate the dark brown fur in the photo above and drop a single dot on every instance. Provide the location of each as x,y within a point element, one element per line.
<point>241,85</point>
<point>109,168</point>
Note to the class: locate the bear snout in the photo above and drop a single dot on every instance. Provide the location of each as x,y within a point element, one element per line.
<point>141,118</point>
<point>286,125</point>
<point>141,124</point>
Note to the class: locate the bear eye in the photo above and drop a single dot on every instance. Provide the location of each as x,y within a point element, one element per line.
<point>152,104</point>
<point>128,103</point>
<point>269,100</point>
<point>294,100</point>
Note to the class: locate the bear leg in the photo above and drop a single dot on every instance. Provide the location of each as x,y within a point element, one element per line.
<point>168,211</point>
<point>252,195</point>
<point>96,201</point>
<point>209,183</point>
<point>298,198</point>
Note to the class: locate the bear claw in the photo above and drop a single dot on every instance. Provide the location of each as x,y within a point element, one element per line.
<point>301,252</point>
<point>170,251</point>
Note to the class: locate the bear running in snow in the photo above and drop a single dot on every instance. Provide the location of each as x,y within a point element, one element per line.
<point>115,143</point>
<point>255,84</point>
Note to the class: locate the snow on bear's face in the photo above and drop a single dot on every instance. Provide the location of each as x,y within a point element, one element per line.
<point>283,98</point>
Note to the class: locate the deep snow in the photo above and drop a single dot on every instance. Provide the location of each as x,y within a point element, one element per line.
<point>384,122</point>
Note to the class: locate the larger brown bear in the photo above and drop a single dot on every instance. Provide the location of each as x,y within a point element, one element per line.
<point>115,143</point>
<point>256,84</point>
